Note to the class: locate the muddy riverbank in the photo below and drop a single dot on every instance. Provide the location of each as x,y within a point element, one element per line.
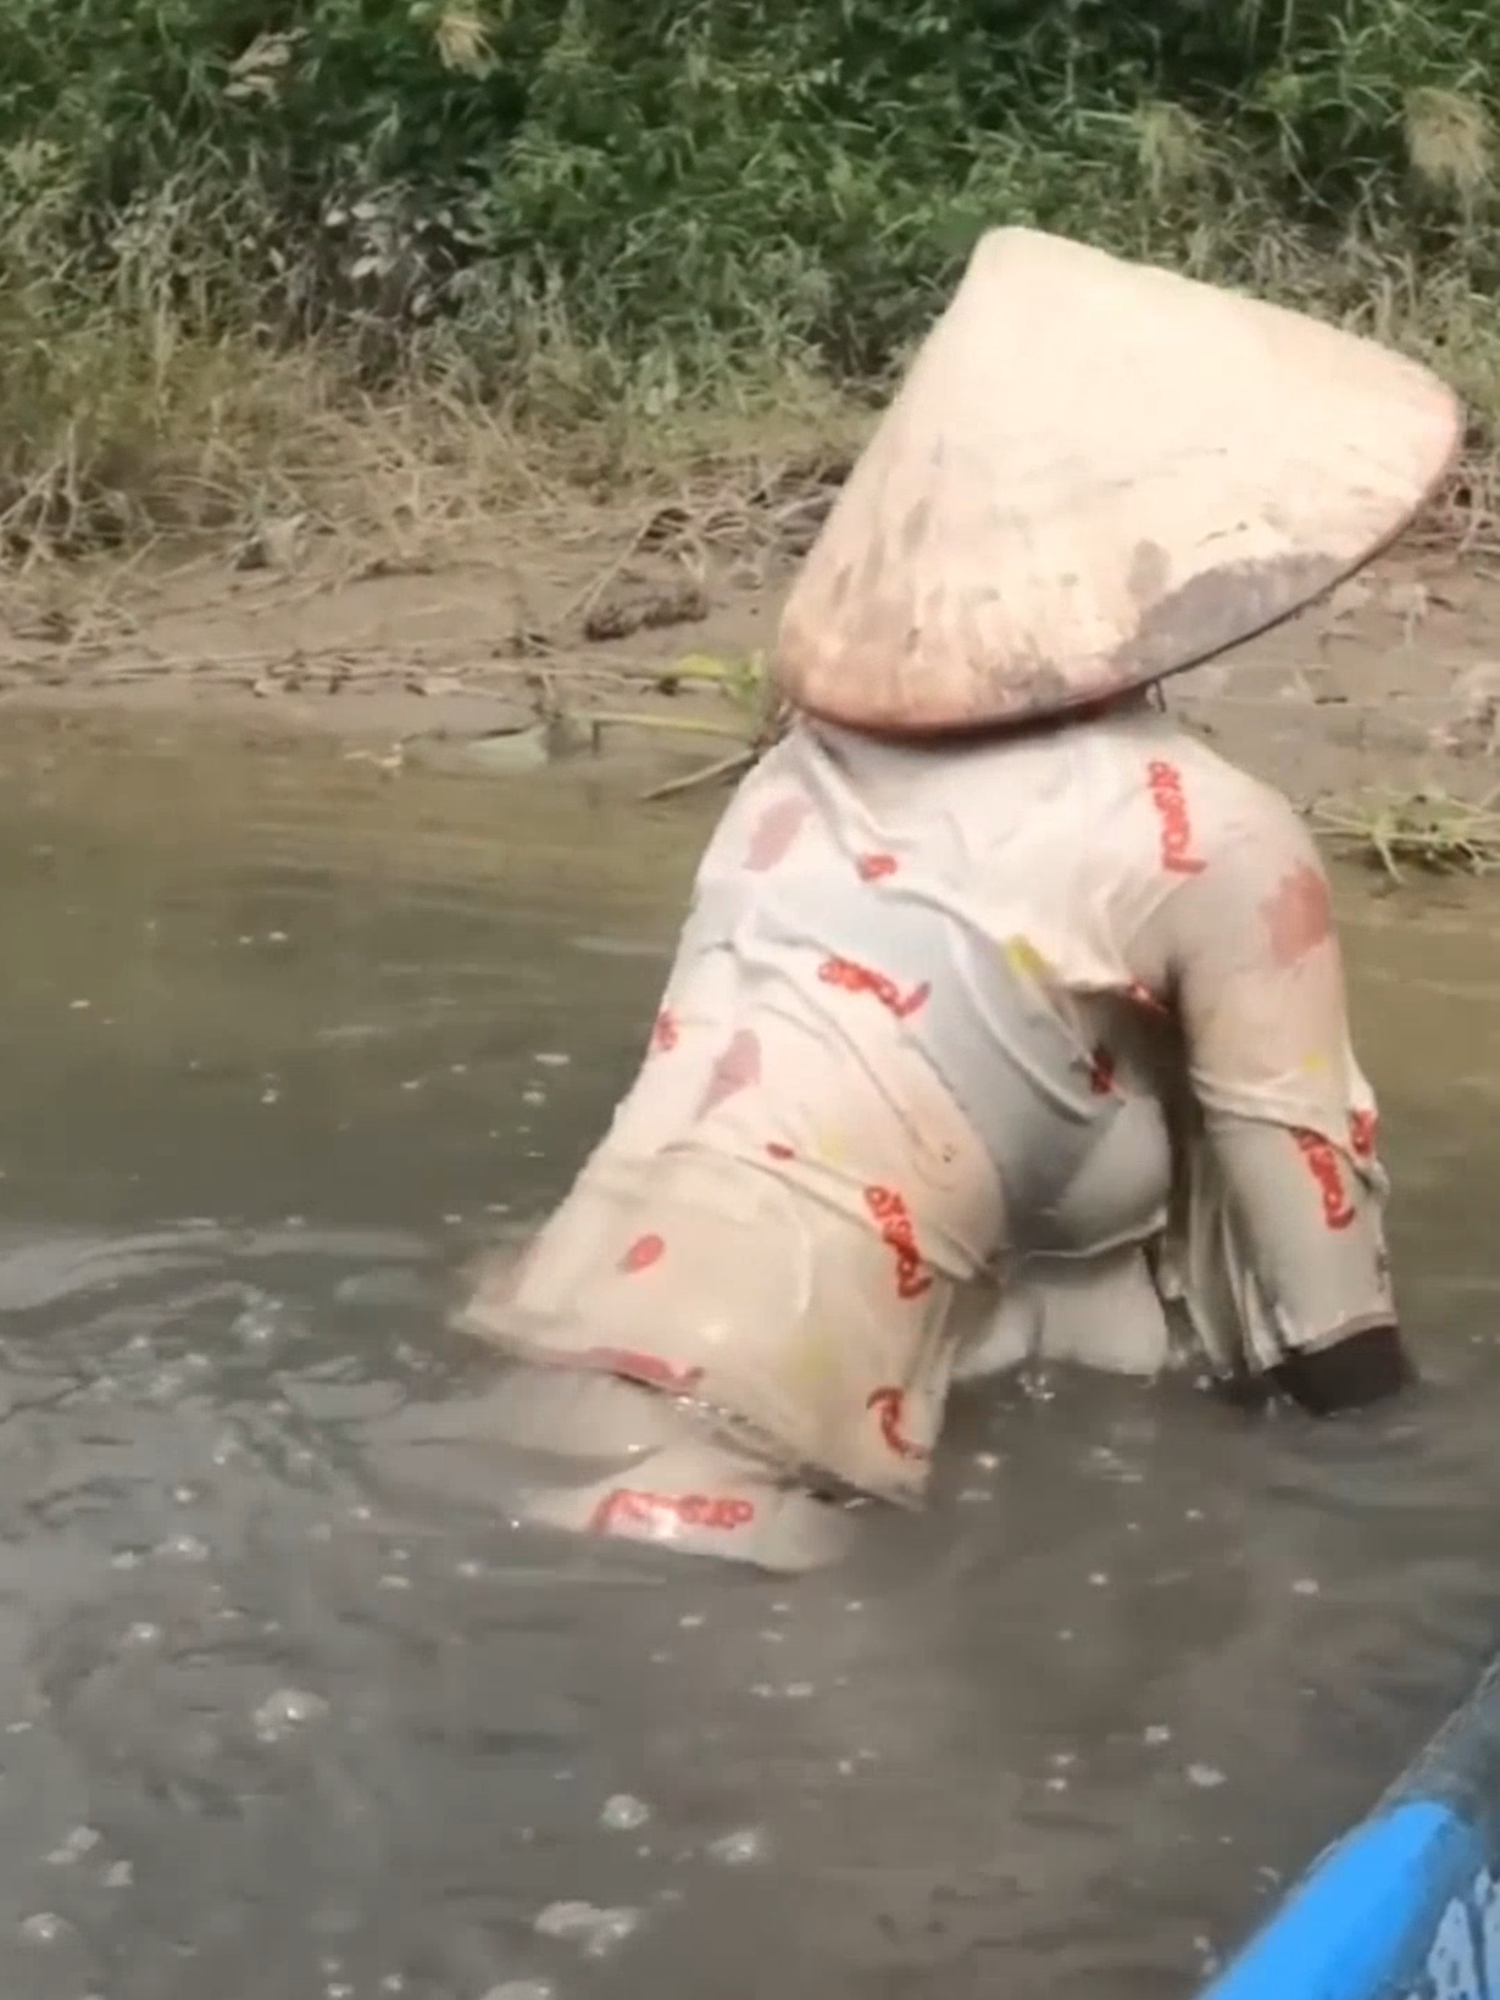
<point>1394,681</point>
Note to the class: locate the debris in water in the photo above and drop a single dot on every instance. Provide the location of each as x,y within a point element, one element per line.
<point>285,1711</point>
<point>623,1813</point>
<point>738,1849</point>
<point>595,1931</point>
<point>183,1548</point>
<point>74,1846</point>
<point>43,1928</point>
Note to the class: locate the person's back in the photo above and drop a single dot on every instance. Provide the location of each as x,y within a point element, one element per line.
<point>1007,1019</point>
<point>917,1045</point>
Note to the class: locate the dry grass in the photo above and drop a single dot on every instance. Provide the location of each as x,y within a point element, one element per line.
<point>164,440</point>
<point>1431,831</point>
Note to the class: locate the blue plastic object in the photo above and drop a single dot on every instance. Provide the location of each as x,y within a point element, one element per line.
<point>1407,1905</point>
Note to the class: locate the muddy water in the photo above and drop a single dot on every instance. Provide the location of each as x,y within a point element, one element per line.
<point>283,1041</point>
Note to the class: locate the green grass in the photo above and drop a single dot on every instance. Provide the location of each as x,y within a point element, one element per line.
<point>350,257</point>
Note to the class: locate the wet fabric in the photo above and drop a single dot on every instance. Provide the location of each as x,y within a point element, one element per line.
<point>1096,473</point>
<point>1034,1047</point>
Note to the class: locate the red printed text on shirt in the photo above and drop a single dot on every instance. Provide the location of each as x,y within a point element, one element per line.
<point>626,1507</point>
<point>889,1406</point>
<point>898,1233</point>
<point>1170,801</point>
<point>1323,1164</point>
<point>851,977</point>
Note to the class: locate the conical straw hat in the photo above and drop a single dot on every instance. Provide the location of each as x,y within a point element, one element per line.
<point>1095,474</point>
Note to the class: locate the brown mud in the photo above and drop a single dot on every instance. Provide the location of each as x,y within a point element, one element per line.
<point>583,623</point>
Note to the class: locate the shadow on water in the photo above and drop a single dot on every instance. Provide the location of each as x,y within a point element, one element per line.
<point>284,1042</point>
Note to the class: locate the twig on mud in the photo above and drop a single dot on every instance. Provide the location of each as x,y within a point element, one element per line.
<point>583,602</point>
<point>600,719</point>
<point>706,774</point>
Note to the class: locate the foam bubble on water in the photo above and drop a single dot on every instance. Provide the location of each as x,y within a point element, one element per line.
<point>623,1813</point>
<point>1206,1777</point>
<point>125,1559</point>
<point>183,1548</point>
<point>1099,1578</point>
<point>1306,1586</point>
<point>533,1096</point>
<point>747,1844</point>
<point>226,1448</point>
<point>261,1323</point>
<point>142,1633</point>
<point>73,1846</point>
<point>519,1989</point>
<point>289,1709</point>
<point>1155,1734</point>
<point>595,1931</point>
<point>394,1580</point>
<point>44,1927</point>
<point>119,1875</point>
<point>691,1620</point>
<point>551,1059</point>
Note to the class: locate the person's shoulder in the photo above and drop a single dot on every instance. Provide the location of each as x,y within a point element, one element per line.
<point>1225,803</point>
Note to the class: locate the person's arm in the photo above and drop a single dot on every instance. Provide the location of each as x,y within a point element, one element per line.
<point>1247,954</point>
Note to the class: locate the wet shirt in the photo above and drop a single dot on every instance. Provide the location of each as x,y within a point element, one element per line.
<point>952,1009</point>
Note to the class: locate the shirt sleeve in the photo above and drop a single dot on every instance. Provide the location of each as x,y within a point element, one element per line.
<point>1246,951</point>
